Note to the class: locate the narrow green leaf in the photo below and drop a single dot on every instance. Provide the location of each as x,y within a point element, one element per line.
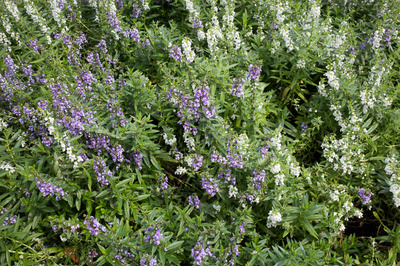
<point>126,210</point>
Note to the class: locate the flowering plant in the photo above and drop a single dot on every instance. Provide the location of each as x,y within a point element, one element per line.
<point>199,132</point>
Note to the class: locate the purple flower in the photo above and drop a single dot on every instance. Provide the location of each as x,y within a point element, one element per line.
<point>134,34</point>
<point>214,157</point>
<point>176,53</point>
<point>194,201</point>
<point>146,43</point>
<point>157,237</point>
<point>120,3</point>
<point>263,150</point>
<point>236,249</point>
<point>94,226</point>
<point>136,11</point>
<point>100,169</point>
<point>152,262</point>
<point>114,22</point>
<point>80,40</point>
<point>137,156</point>
<point>237,88</point>
<point>33,44</point>
<point>103,46</point>
<point>210,186</point>
<point>254,72</point>
<point>365,198</point>
<point>197,23</point>
<point>197,162</point>
<point>164,184</point>
<point>241,228</point>
<point>49,189</point>
<point>303,127</point>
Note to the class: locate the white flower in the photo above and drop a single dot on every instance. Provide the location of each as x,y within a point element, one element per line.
<point>295,170</point>
<point>276,168</point>
<point>13,9</point>
<point>301,63</point>
<point>342,227</point>
<point>233,191</point>
<point>169,141</point>
<point>187,50</point>
<point>358,213</point>
<point>347,206</point>
<point>6,167</point>
<point>279,179</point>
<point>274,217</point>
<point>217,207</point>
<point>334,195</point>
<point>201,35</point>
<point>180,171</point>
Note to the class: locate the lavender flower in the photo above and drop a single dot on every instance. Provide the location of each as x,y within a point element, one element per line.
<point>103,46</point>
<point>136,11</point>
<point>176,53</point>
<point>114,22</point>
<point>365,198</point>
<point>254,72</point>
<point>137,156</point>
<point>10,220</point>
<point>194,201</point>
<point>199,253</point>
<point>146,43</point>
<point>263,150</point>
<point>157,237</point>
<point>210,186</point>
<point>164,184</point>
<point>100,169</point>
<point>237,88</point>
<point>197,162</point>
<point>94,226</point>
<point>33,44</point>
<point>153,262</point>
<point>303,127</point>
<point>134,34</point>
<point>197,23</point>
<point>49,189</point>
<point>241,228</point>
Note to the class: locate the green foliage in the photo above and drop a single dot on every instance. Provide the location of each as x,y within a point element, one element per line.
<point>199,132</point>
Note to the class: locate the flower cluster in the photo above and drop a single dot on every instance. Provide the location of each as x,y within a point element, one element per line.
<point>192,109</point>
<point>194,201</point>
<point>6,167</point>
<point>176,53</point>
<point>8,220</point>
<point>49,189</point>
<point>124,256</point>
<point>155,234</point>
<point>199,253</point>
<point>365,198</point>
<point>94,226</point>
<point>99,167</point>
<point>187,50</point>
<point>274,217</point>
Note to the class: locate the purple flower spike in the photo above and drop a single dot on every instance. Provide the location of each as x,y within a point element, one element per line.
<point>176,53</point>
<point>365,198</point>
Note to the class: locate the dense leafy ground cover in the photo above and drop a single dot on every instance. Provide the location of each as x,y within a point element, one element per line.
<point>192,132</point>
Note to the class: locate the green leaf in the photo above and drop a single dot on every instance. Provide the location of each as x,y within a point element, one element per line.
<point>174,246</point>
<point>37,61</point>
<point>126,210</point>
<point>172,258</point>
<point>306,224</point>
<point>141,197</point>
<point>103,193</point>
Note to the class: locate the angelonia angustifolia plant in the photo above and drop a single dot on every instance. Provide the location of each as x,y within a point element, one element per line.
<point>190,132</point>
